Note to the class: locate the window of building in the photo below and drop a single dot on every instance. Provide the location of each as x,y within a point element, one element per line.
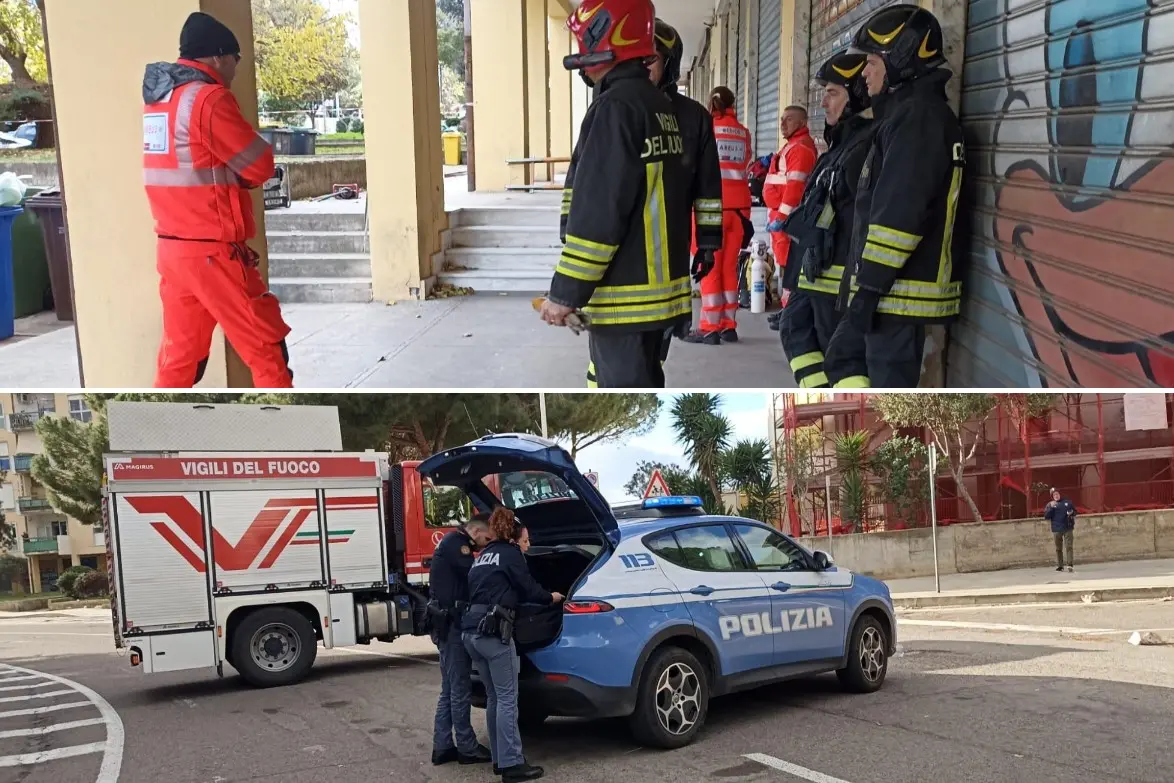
<point>770,551</point>
<point>3,418</point>
<point>79,409</point>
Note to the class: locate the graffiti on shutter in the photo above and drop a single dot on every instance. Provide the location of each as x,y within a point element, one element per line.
<point>1067,109</point>
<point>833,23</point>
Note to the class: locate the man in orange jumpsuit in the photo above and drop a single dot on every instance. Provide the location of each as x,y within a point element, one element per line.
<point>719,288</point>
<point>201,157</point>
<point>784,188</point>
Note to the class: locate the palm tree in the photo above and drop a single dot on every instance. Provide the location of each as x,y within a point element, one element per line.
<point>748,465</point>
<point>851,458</point>
<point>705,434</point>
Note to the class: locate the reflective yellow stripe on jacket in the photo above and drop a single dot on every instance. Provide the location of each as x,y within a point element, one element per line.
<point>827,282</point>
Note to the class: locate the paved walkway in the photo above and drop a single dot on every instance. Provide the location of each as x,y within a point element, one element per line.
<point>1020,584</point>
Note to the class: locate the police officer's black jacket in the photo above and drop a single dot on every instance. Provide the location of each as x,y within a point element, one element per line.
<point>629,210</point>
<point>500,577</point>
<point>837,170</point>
<point>907,202</point>
<point>448,576</point>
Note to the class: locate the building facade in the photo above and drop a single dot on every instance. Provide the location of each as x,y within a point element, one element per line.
<point>48,539</point>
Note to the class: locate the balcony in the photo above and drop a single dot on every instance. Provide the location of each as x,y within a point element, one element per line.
<point>33,504</point>
<point>40,546</point>
<point>23,463</point>
<point>24,421</point>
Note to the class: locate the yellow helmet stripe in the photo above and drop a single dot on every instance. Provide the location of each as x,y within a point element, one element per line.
<point>847,73</point>
<point>884,39</point>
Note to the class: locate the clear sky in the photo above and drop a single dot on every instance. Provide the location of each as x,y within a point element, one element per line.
<point>616,462</point>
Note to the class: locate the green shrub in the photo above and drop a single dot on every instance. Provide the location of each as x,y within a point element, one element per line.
<point>13,570</point>
<point>343,126</point>
<point>357,127</point>
<point>68,579</point>
<point>23,105</point>
<point>91,585</point>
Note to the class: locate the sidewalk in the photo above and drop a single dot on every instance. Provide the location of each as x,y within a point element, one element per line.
<point>1117,581</point>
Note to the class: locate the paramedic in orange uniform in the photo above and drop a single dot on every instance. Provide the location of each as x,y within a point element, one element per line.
<point>719,288</point>
<point>201,157</point>
<point>784,186</point>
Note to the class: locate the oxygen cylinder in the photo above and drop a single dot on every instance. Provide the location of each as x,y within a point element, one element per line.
<point>759,271</point>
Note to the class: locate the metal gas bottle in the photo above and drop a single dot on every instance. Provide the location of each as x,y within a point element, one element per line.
<point>759,272</point>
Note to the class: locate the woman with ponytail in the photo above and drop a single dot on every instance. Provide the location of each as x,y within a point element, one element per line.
<point>499,581</point>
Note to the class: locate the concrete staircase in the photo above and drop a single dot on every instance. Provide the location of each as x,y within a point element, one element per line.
<point>318,257</point>
<point>505,249</point>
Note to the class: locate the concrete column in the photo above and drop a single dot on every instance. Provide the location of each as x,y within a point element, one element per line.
<point>500,88</point>
<point>580,100</point>
<point>34,573</point>
<point>561,110</point>
<point>538,86</point>
<point>111,236</point>
<point>951,15</point>
<point>405,174</point>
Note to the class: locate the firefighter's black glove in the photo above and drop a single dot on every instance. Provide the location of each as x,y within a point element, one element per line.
<point>703,264</point>
<point>862,310</point>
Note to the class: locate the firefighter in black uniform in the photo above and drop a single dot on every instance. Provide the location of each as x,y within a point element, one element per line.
<point>907,269</point>
<point>821,226</point>
<point>499,581</point>
<point>449,587</point>
<point>625,262</point>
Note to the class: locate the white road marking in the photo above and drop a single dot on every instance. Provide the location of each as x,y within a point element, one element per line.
<point>27,759</point>
<point>793,769</point>
<point>111,749</point>
<point>39,710</point>
<point>17,679</point>
<point>27,687</point>
<point>42,730</point>
<point>1006,627</point>
<point>30,696</point>
<point>401,656</point>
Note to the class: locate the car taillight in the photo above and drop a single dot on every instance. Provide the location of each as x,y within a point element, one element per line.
<point>586,607</point>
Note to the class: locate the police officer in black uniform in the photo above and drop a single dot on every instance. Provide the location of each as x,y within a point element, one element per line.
<point>907,271</point>
<point>449,587</point>
<point>627,200</point>
<point>821,226</point>
<point>499,581</point>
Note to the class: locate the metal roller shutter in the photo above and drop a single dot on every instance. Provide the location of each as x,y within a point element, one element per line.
<point>832,24</point>
<point>738,55</point>
<point>1068,107</point>
<point>766,128</point>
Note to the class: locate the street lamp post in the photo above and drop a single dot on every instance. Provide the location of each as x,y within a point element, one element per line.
<point>933,513</point>
<point>542,413</point>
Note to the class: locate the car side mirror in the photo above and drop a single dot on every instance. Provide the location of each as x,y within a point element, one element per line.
<point>823,561</point>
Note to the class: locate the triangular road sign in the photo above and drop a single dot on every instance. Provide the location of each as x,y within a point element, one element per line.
<point>657,486</point>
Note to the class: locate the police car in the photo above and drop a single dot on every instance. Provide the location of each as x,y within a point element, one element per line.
<point>667,606</point>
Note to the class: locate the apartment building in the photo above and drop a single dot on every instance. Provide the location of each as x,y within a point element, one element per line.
<point>49,540</point>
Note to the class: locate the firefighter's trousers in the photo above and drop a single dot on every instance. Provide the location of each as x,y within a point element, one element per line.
<point>719,289</point>
<point>809,321</point>
<point>627,360</point>
<point>888,356</point>
<point>203,284</point>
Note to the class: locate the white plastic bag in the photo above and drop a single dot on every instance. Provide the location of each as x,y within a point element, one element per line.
<point>12,190</point>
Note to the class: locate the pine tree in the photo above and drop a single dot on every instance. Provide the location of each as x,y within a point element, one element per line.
<point>70,467</point>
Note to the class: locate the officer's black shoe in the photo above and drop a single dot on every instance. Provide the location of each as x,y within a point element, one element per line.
<point>479,756</point>
<point>729,336</point>
<point>703,338</point>
<point>521,772</point>
<point>444,756</point>
<point>774,326</point>
<point>1059,568</point>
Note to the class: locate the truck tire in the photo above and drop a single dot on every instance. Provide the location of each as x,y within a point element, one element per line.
<point>672,701</point>
<point>868,657</point>
<point>272,646</point>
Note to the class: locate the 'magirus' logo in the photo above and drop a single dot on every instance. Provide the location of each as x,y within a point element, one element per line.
<point>279,525</point>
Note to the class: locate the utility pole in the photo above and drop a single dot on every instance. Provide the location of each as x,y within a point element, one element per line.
<point>933,513</point>
<point>542,412</point>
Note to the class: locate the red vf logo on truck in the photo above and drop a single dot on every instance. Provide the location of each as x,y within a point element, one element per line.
<point>269,525</point>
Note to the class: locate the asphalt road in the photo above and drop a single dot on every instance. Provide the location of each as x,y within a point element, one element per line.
<point>1005,694</point>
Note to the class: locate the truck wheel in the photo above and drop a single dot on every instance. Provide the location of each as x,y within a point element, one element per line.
<point>868,658</point>
<point>273,646</point>
<point>672,701</point>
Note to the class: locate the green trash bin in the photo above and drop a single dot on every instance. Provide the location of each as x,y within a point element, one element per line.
<point>31,285</point>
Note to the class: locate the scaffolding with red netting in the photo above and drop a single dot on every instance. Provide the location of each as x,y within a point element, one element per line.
<point>1083,445</point>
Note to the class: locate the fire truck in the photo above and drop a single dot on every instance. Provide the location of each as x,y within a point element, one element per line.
<point>245,535</point>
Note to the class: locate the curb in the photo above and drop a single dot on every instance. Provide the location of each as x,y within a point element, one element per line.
<point>922,601</point>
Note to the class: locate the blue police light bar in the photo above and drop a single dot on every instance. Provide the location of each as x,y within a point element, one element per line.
<point>676,501</point>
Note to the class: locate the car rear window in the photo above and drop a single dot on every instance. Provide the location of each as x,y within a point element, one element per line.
<point>665,545</point>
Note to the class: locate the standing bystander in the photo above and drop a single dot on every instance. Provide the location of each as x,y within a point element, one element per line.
<point>1062,514</point>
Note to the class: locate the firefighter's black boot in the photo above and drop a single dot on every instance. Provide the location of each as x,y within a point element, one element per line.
<point>522,771</point>
<point>729,335</point>
<point>703,338</point>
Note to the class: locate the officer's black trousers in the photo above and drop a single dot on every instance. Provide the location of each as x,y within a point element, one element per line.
<point>809,321</point>
<point>627,360</point>
<point>888,356</point>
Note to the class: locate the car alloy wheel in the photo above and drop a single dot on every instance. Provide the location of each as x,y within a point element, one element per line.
<point>872,654</point>
<point>678,698</point>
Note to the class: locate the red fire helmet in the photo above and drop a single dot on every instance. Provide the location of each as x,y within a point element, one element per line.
<point>611,31</point>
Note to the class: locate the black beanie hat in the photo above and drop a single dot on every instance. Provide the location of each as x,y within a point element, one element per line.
<point>204,36</point>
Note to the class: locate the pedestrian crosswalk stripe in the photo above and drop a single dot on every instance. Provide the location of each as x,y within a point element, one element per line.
<point>40,757</point>
<point>40,731</point>
<point>28,697</point>
<point>43,684</point>
<point>793,769</point>
<point>50,708</point>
